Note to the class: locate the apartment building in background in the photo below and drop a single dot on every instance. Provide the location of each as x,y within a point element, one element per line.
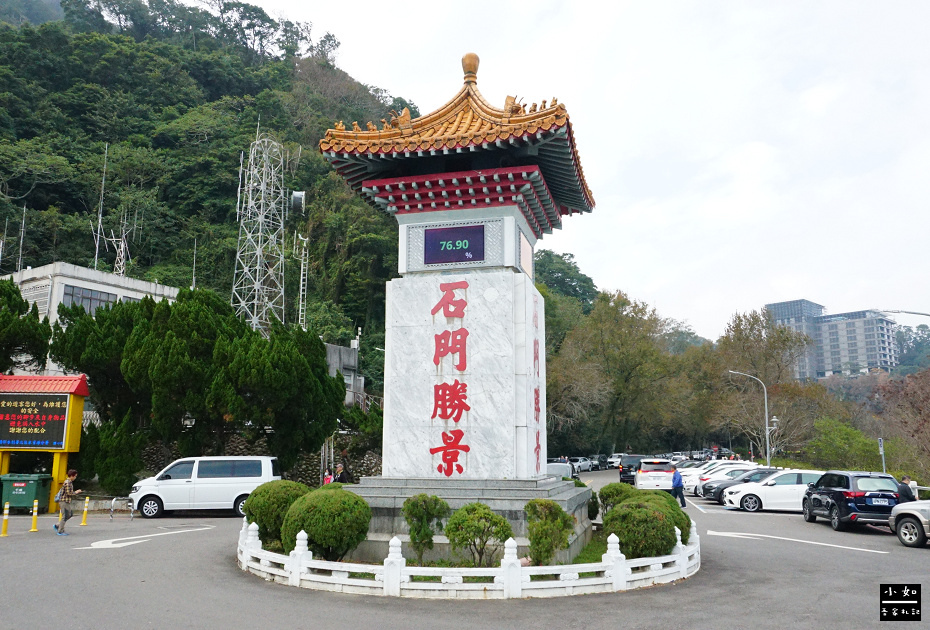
<point>844,343</point>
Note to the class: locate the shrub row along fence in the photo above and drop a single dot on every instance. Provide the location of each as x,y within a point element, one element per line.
<point>508,581</point>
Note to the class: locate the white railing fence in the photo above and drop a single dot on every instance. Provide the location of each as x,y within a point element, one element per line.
<point>509,580</point>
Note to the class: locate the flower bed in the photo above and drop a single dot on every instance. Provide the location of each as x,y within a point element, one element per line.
<point>509,580</point>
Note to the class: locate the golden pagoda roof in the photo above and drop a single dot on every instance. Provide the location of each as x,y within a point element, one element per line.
<point>467,124</point>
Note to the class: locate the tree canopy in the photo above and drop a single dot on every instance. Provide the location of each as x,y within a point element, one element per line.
<point>151,365</point>
<point>561,274</point>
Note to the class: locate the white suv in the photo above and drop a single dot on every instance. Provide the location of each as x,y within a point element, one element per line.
<point>203,483</point>
<point>654,474</point>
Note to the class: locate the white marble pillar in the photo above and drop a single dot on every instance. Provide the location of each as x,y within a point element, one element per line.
<point>464,368</point>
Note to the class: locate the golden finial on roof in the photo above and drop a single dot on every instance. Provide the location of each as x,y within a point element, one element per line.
<point>340,126</point>
<point>470,67</point>
<point>355,126</point>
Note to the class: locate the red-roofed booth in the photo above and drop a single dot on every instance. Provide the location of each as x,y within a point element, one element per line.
<point>42,413</point>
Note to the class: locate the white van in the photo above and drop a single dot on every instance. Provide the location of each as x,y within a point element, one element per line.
<point>203,483</point>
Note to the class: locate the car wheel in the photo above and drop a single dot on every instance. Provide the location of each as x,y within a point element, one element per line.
<point>809,515</point>
<point>911,533</point>
<point>238,505</point>
<point>151,507</point>
<point>835,521</point>
<point>751,503</point>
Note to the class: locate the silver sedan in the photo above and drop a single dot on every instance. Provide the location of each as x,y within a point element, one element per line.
<point>581,464</point>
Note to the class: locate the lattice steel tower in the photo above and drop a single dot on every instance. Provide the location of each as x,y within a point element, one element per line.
<point>258,283</point>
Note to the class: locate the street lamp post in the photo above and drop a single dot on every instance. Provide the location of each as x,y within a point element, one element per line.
<point>765,393</point>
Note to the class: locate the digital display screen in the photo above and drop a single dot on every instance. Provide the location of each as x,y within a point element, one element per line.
<point>453,245</point>
<point>33,421</point>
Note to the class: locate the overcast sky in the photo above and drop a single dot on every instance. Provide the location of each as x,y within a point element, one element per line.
<point>738,153</point>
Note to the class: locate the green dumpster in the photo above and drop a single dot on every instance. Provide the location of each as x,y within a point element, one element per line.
<point>22,490</point>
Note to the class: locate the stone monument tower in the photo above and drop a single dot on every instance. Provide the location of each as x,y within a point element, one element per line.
<point>473,189</point>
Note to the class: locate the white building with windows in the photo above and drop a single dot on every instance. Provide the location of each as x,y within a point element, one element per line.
<point>63,283</point>
<point>844,343</point>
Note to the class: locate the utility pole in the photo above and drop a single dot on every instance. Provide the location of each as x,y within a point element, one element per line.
<point>765,393</point>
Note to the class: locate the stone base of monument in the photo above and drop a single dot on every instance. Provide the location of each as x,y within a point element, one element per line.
<point>507,497</point>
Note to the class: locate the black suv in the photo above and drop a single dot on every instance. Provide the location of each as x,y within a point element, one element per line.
<point>598,462</point>
<point>629,464</point>
<point>846,496</point>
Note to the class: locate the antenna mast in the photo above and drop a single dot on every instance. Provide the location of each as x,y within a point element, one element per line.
<point>304,266</point>
<point>3,242</point>
<point>194,276</point>
<point>258,283</point>
<point>99,231</point>
<point>22,233</point>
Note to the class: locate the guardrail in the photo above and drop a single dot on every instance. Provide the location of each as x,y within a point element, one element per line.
<point>509,580</point>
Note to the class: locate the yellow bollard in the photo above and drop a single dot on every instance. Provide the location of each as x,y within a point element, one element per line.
<point>35,516</point>
<point>6,518</point>
<point>86,505</point>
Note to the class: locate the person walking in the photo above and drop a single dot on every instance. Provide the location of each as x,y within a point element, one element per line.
<point>67,493</point>
<point>327,476</point>
<point>341,475</point>
<point>912,485</point>
<point>678,487</point>
<point>907,489</point>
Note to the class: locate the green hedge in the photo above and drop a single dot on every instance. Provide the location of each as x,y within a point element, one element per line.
<point>613,493</point>
<point>473,527</point>
<point>336,521</point>
<point>422,512</point>
<point>594,507</point>
<point>268,504</point>
<point>549,527</point>
<point>644,530</point>
<point>666,503</point>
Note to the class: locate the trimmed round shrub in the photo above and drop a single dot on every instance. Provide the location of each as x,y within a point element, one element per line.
<point>333,485</point>
<point>644,531</point>
<point>654,499</point>
<point>422,512</point>
<point>472,528</point>
<point>549,527</point>
<point>613,493</point>
<point>335,522</point>
<point>269,503</point>
<point>662,495</point>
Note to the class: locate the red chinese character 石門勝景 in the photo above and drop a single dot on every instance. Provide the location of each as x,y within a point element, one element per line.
<point>451,448</point>
<point>450,306</point>
<point>449,400</point>
<point>452,342</point>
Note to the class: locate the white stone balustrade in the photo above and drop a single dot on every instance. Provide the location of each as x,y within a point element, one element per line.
<point>510,580</point>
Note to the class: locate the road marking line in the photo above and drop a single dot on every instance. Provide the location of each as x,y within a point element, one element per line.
<point>693,504</point>
<point>807,542</point>
<point>116,543</point>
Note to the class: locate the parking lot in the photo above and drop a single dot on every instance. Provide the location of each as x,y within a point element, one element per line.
<point>762,570</point>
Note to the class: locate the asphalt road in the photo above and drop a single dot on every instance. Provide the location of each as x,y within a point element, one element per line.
<point>180,572</point>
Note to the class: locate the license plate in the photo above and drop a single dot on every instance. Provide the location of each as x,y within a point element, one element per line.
<point>879,501</point>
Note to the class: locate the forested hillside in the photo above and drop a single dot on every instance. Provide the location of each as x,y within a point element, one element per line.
<point>177,93</point>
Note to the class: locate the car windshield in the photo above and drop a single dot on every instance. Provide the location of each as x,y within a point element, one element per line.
<point>631,460</point>
<point>647,466</point>
<point>876,484</point>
